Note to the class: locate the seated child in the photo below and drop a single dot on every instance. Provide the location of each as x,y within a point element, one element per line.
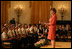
<point>4,34</point>
<point>13,30</point>
<point>10,32</point>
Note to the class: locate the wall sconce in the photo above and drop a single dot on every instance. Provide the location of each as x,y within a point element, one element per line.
<point>18,11</point>
<point>62,12</point>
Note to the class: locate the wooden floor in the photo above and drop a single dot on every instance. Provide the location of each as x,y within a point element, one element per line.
<point>59,45</point>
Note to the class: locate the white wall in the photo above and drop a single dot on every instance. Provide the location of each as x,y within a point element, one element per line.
<point>26,15</point>
<point>67,6</point>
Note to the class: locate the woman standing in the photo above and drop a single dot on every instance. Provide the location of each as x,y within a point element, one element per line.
<point>52,27</point>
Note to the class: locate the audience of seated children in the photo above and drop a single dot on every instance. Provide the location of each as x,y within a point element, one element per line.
<point>31,33</point>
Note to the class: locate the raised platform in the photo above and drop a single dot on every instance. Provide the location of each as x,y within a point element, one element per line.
<point>59,45</point>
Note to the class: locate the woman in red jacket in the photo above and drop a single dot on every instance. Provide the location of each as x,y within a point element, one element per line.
<point>52,27</point>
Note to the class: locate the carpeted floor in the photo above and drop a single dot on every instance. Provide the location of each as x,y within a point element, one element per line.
<point>59,45</point>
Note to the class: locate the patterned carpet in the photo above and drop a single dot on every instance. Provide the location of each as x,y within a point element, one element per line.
<point>59,45</point>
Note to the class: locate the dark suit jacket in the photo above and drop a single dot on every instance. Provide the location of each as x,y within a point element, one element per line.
<point>12,21</point>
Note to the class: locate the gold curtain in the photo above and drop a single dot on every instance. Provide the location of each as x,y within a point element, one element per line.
<point>40,11</point>
<point>4,12</point>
